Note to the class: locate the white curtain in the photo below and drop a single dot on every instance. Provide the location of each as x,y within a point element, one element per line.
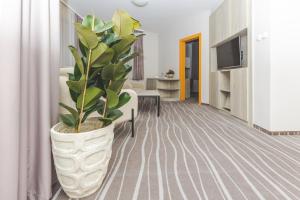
<point>68,35</point>
<point>29,61</point>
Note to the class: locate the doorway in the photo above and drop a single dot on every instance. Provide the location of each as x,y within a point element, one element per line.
<point>190,67</point>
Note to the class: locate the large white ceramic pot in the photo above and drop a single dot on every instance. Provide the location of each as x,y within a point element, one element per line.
<point>81,159</point>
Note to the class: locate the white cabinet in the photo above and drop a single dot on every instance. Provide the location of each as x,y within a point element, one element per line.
<point>221,25</point>
<point>212,35</point>
<point>214,89</point>
<point>230,18</point>
<point>238,15</point>
<point>239,96</point>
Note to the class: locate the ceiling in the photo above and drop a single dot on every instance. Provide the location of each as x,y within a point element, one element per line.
<point>151,16</point>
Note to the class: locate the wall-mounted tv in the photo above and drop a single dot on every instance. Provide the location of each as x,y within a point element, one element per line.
<point>229,54</point>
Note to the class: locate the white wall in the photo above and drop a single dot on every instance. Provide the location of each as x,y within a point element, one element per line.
<point>151,54</point>
<point>261,64</point>
<point>170,34</point>
<point>285,65</point>
<point>276,65</point>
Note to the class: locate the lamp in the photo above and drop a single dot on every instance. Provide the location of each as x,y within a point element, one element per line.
<point>140,3</point>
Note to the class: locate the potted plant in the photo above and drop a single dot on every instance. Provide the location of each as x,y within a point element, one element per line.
<point>81,145</point>
<point>170,74</point>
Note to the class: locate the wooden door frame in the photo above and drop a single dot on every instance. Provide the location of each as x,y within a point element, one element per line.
<point>182,54</point>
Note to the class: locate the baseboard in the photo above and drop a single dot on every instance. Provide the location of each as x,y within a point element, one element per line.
<point>275,133</point>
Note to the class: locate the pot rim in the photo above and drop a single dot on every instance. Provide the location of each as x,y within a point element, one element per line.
<point>53,131</point>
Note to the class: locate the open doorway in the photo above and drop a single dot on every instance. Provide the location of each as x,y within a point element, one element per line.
<point>190,68</point>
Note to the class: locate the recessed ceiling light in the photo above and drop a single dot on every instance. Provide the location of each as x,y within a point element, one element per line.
<point>140,3</point>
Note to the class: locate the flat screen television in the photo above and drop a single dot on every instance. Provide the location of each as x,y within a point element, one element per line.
<point>229,54</point>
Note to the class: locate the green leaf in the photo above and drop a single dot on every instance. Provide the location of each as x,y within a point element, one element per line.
<point>128,68</point>
<point>117,85</point>
<point>98,51</point>
<point>124,98</point>
<point>128,58</point>
<point>103,28</point>
<point>91,94</point>
<point>95,73</point>
<point>125,54</point>
<point>76,86</point>
<point>113,72</point>
<point>108,72</point>
<point>71,110</point>
<point>105,58</point>
<point>110,39</point>
<point>136,24</point>
<point>86,36</point>
<point>91,21</point>
<point>77,59</point>
<point>97,106</point>
<point>106,121</point>
<point>112,98</point>
<point>77,74</point>
<point>68,120</point>
<point>124,45</point>
<point>124,23</point>
<point>83,49</point>
<point>100,107</point>
<point>74,95</point>
<point>114,114</point>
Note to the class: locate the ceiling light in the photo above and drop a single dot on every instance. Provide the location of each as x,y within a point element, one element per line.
<point>140,3</point>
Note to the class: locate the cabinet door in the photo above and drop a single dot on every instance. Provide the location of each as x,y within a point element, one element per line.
<point>238,15</point>
<point>214,89</point>
<point>212,40</point>
<point>222,25</point>
<point>239,95</point>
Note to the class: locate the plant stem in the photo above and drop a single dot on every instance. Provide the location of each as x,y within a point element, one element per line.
<point>84,91</point>
<point>105,106</point>
<point>85,84</point>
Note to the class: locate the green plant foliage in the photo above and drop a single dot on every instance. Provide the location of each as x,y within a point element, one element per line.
<point>124,23</point>
<point>100,70</point>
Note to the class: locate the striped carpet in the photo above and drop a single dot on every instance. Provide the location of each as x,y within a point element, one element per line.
<point>194,152</point>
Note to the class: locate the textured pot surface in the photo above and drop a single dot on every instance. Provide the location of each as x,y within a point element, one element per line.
<point>81,159</point>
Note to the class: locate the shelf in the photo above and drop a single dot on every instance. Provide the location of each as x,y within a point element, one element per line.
<point>169,99</point>
<point>168,89</point>
<point>226,109</point>
<point>168,79</point>
<point>225,90</point>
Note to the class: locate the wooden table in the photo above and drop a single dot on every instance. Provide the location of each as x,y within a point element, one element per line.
<point>150,94</point>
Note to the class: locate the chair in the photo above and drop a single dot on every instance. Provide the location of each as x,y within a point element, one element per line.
<point>130,110</point>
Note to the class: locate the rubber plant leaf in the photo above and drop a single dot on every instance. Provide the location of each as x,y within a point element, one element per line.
<point>123,23</point>
<point>105,27</point>
<point>87,37</point>
<point>76,86</point>
<point>124,98</point>
<point>91,94</point>
<point>113,72</point>
<point>89,20</point>
<point>124,45</point>
<point>77,59</point>
<point>114,114</point>
<point>112,98</point>
<point>104,59</point>
<point>98,51</point>
<point>71,110</point>
<point>117,85</point>
<point>68,119</point>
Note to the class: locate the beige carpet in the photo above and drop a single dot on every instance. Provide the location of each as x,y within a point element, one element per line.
<point>194,152</point>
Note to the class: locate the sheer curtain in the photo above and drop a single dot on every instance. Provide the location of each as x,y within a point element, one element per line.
<point>138,62</point>
<point>68,35</point>
<point>29,60</point>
